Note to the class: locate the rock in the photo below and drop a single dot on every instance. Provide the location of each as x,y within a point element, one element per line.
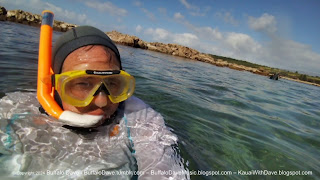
<point>142,44</point>
<point>70,26</point>
<point>30,17</point>
<point>63,27</point>
<point>182,51</point>
<point>237,67</point>
<point>10,15</point>
<point>151,47</point>
<point>203,58</point>
<point>222,63</point>
<point>127,39</point>
<point>20,16</point>
<point>160,47</point>
<point>172,49</point>
<point>261,73</point>
<point>3,13</point>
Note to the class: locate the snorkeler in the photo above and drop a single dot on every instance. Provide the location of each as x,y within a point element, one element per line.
<point>88,82</point>
<point>88,88</point>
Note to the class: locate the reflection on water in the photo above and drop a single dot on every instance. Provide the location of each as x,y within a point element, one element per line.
<point>225,119</point>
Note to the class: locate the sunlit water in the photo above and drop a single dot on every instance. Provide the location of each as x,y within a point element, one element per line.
<point>225,120</point>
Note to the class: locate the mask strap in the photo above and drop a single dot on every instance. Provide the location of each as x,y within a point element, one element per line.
<point>57,98</point>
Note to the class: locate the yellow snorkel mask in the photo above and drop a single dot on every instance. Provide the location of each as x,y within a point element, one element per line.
<point>77,88</point>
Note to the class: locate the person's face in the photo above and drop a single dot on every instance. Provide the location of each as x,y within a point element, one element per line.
<point>92,58</point>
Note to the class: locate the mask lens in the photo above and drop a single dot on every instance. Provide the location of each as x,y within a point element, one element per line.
<point>80,88</point>
<point>115,85</point>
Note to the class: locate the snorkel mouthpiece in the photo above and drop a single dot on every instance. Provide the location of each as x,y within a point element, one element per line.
<point>45,91</point>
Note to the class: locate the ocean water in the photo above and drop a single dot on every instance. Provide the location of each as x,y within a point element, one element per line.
<point>225,120</point>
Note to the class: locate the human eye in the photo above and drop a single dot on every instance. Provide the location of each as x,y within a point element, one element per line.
<point>82,84</point>
<point>113,83</point>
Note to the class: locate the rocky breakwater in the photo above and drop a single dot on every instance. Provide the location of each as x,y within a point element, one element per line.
<point>177,50</point>
<point>3,13</point>
<point>172,49</point>
<point>23,17</point>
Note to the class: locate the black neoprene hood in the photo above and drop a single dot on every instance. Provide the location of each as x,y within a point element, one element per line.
<point>77,38</point>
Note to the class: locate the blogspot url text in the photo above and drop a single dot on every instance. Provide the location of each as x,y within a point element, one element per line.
<point>168,173</point>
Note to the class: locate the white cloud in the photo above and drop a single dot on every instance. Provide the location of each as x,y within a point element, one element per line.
<point>186,39</point>
<point>212,40</point>
<point>200,12</point>
<point>68,16</point>
<point>208,33</point>
<point>139,29</point>
<point>178,16</point>
<point>266,23</point>
<point>163,11</point>
<point>204,32</point>
<point>242,43</point>
<point>227,17</point>
<point>186,4</point>
<point>195,10</point>
<point>288,54</point>
<point>281,52</point>
<point>149,14</point>
<point>163,35</point>
<point>158,34</point>
<point>107,7</point>
<point>197,13</point>
<point>137,3</point>
<point>12,3</point>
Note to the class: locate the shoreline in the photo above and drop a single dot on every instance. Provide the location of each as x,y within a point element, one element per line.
<point>297,80</point>
<point>133,41</point>
<point>23,17</point>
<point>179,50</point>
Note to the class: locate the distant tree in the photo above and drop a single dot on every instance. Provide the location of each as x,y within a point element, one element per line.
<point>303,77</point>
<point>284,73</point>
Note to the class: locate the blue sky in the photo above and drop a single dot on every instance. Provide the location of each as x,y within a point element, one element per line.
<point>276,33</point>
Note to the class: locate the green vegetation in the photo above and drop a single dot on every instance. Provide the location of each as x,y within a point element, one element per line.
<point>235,61</point>
<point>269,70</point>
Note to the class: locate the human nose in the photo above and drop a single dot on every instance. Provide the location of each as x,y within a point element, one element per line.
<point>101,99</point>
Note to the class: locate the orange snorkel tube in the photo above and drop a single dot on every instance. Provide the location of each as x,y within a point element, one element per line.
<point>45,90</point>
